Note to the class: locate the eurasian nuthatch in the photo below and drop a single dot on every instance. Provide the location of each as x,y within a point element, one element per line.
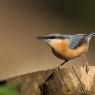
<point>68,47</point>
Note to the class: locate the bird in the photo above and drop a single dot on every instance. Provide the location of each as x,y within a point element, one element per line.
<point>68,46</point>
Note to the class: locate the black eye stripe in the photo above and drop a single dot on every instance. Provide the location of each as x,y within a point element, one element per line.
<point>55,37</point>
<point>51,37</point>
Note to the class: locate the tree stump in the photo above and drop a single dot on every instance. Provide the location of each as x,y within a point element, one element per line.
<point>64,81</point>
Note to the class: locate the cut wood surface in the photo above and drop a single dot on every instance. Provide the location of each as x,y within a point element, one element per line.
<point>65,81</point>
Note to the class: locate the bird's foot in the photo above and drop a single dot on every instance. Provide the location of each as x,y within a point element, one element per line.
<point>87,69</point>
<point>83,66</point>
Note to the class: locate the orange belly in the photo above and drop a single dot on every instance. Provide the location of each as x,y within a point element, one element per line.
<point>73,53</point>
<point>62,50</point>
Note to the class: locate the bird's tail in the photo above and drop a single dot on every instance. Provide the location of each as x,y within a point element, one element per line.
<point>91,34</point>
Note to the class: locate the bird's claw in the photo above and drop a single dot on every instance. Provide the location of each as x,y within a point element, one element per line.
<point>83,66</point>
<point>87,69</point>
<point>56,68</point>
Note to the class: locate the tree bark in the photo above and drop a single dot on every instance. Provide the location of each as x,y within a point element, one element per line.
<point>64,81</point>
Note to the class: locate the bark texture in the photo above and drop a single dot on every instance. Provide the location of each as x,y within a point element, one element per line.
<point>64,81</point>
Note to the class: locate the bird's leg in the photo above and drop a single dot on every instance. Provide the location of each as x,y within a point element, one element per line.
<point>87,69</point>
<point>58,67</point>
<point>63,63</point>
<point>53,71</point>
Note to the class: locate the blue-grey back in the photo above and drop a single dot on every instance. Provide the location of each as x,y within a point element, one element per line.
<point>76,40</point>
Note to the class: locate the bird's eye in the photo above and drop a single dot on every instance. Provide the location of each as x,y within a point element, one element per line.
<point>55,37</point>
<point>51,37</point>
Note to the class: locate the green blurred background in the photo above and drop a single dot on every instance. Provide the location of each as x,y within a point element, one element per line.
<point>21,21</point>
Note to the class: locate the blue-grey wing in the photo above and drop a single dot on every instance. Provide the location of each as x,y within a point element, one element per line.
<point>76,40</point>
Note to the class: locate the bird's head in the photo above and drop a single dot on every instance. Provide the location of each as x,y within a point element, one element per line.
<point>52,38</point>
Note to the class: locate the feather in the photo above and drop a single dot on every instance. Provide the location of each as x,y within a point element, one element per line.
<point>77,40</point>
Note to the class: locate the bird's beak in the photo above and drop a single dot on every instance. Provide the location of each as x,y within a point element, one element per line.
<point>41,38</point>
<point>44,39</point>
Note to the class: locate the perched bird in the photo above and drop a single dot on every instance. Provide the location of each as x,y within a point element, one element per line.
<point>68,47</point>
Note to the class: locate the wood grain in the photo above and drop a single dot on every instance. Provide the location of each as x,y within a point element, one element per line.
<point>63,81</point>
